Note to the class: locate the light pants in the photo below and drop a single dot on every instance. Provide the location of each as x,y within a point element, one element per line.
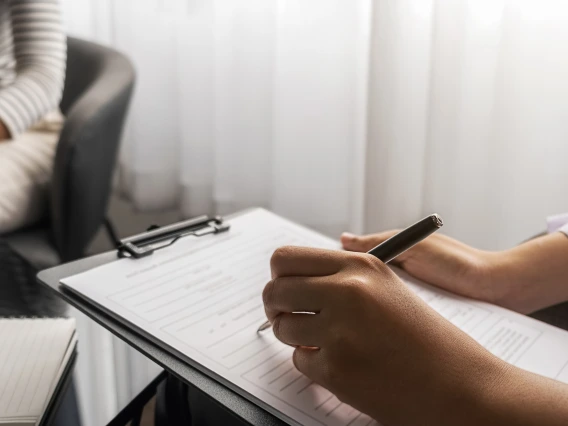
<point>26,166</point>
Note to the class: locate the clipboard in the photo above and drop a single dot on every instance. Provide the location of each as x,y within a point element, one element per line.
<point>140,246</point>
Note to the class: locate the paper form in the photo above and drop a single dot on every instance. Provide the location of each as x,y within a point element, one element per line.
<point>202,297</point>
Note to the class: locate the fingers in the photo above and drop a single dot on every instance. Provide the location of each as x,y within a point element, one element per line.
<point>299,329</point>
<point>300,261</point>
<point>310,362</point>
<point>365,243</point>
<point>294,294</point>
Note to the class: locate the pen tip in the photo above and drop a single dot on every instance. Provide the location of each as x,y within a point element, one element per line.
<point>264,326</point>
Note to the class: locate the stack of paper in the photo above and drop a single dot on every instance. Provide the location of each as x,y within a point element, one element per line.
<point>33,357</point>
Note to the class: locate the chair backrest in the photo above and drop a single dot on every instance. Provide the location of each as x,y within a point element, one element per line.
<point>98,88</point>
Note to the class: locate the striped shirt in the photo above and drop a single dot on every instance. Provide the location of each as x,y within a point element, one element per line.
<point>33,54</point>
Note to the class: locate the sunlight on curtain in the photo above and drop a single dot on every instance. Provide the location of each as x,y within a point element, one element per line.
<point>247,103</point>
<point>468,116</point>
<point>253,102</point>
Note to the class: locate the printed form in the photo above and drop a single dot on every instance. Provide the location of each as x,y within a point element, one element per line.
<point>202,297</point>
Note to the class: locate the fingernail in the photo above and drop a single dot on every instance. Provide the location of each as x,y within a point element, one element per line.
<point>348,236</point>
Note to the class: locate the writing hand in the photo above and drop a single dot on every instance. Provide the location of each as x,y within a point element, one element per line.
<point>372,342</point>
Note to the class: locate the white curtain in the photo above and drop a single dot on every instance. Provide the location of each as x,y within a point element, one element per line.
<point>343,114</point>
<point>468,116</point>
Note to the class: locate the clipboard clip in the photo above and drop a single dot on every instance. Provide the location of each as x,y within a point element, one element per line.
<point>142,245</point>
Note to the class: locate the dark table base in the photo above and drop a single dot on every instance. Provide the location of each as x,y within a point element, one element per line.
<point>22,296</point>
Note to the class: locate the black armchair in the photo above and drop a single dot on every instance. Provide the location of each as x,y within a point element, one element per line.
<point>98,89</point>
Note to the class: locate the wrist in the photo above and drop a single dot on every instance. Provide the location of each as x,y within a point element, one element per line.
<point>532,275</point>
<point>514,397</point>
<point>494,276</point>
<point>505,277</point>
<point>479,396</point>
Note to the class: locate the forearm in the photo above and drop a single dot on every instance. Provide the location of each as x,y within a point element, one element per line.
<point>474,387</point>
<point>521,398</point>
<point>40,53</point>
<point>533,275</point>
<point>489,391</point>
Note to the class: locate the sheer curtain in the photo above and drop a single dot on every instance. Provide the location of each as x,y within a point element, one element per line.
<point>241,103</point>
<point>468,116</point>
<point>342,114</point>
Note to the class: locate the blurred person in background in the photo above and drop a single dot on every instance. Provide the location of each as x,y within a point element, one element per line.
<point>32,71</point>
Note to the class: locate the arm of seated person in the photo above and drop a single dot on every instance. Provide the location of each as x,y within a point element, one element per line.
<point>4,133</point>
<point>40,53</point>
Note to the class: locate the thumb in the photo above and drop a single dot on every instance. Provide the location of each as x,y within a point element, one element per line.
<point>359,243</point>
<point>364,243</point>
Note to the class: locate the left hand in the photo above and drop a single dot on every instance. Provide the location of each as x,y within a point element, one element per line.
<point>446,263</point>
<point>372,342</point>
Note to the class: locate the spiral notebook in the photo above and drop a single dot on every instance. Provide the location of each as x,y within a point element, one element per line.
<point>33,357</point>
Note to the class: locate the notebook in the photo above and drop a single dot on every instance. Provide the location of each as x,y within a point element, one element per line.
<point>201,299</point>
<point>33,356</point>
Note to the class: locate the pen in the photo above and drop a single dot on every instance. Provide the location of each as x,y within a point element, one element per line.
<point>398,244</point>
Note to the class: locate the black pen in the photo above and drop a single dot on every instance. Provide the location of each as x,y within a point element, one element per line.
<point>398,244</point>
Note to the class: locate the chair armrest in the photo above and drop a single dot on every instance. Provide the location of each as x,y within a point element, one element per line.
<point>95,102</point>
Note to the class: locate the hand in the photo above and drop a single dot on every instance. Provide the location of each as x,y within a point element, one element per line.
<point>526,278</point>
<point>4,133</point>
<point>444,262</point>
<point>373,343</point>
